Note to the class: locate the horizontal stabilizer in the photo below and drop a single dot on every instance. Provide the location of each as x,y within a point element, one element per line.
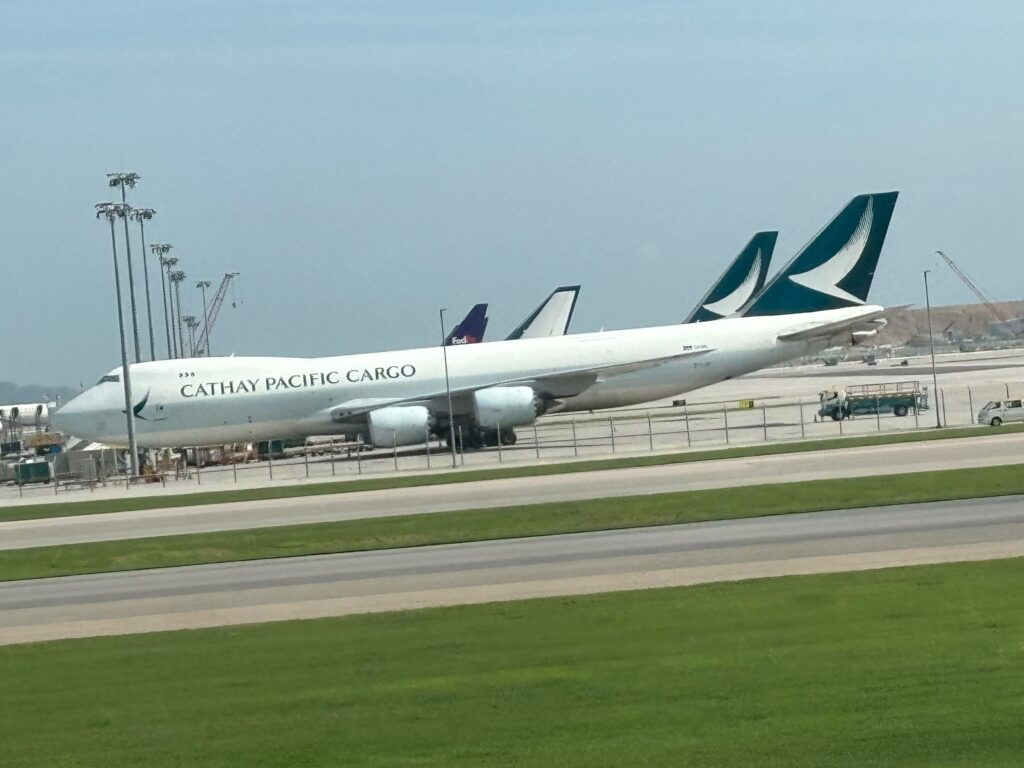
<point>811,331</point>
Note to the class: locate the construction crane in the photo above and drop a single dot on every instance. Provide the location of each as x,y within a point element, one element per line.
<point>203,344</point>
<point>989,305</point>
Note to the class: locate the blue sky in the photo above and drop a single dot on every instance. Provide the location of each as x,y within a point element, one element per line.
<point>363,164</point>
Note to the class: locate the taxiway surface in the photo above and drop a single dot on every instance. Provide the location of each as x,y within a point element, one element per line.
<point>333,585</point>
<point>871,461</point>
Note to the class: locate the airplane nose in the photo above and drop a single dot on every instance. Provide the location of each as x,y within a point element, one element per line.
<point>81,416</point>
<point>68,418</point>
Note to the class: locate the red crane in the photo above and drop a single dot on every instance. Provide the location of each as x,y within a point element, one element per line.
<point>203,345</point>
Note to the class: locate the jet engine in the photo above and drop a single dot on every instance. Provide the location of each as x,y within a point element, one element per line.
<point>399,425</point>
<point>505,406</point>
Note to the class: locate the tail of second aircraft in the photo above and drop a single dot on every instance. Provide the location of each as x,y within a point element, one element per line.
<point>551,318</point>
<point>471,329</point>
<point>739,283</point>
<point>835,269</point>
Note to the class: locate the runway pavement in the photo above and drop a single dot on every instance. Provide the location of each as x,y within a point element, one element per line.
<point>331,585</point>
<point>848,462</point>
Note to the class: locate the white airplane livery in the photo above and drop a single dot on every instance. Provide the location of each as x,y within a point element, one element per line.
<point>401,397</point>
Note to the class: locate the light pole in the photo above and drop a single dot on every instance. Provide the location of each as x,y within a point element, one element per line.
<point>142,215</point>
<point>161,250</point>
<point>931,343</point>
<point>176,279</point>
<point>202,285</point>
<point>111,211</point>
<point>448,389</point>
<point>125,180</point>
<point>191,323</point>
<point>170,262</point>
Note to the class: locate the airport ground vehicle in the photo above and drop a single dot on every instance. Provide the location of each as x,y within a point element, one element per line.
<point>898,398</point>
<point>997,411</point>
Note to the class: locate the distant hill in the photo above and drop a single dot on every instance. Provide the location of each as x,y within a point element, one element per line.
<point>956,320</point>
<point>11,393</point>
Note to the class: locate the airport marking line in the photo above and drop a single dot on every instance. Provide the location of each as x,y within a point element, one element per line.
<point>913,666</point>
<point>509,522</point>
<point>98,506</point>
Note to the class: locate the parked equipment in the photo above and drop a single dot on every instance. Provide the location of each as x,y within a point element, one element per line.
<point>898,398</point>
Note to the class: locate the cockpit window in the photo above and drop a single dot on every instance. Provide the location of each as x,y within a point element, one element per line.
<point>109,377</point>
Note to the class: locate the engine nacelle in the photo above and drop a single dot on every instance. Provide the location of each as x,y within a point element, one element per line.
<point>399,425</point>
<point>505,406</point>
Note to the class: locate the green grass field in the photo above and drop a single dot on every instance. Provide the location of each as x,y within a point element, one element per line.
<point>506,522</point>
<point>915,667</point>
<point>34,511</point>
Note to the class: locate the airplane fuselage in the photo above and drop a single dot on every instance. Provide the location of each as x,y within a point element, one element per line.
<point>209,401</point>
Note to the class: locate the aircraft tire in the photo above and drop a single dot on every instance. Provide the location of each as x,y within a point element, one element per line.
<point>508,437</point>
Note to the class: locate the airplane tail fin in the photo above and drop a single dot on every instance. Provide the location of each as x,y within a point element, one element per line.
<point>471,329</point>
<point>739,283</point>
<point>551,318</point>
<point>835,269</point>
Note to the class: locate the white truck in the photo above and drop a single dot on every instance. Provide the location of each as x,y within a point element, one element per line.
<point>996,412</point>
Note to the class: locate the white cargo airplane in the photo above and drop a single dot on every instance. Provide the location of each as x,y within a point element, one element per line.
<point>401,397</point>
<point>27,414</point>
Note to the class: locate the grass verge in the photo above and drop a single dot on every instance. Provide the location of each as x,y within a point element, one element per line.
<point>910,667</point>
<point>36,511</point>
<point>507,522</point>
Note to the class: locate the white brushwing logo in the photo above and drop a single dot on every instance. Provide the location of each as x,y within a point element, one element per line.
<point>732,303</point>
<point>825,278</point>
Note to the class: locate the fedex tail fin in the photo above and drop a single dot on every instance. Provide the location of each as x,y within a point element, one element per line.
<point>739,283</point>
<point>835,269</point>
<point>551,318</point>
<point>471,329</point>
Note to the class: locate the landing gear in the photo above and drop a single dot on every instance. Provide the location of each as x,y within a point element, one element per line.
<point>476,438</point>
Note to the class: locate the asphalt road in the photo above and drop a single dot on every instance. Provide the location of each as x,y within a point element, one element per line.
<point>331,585</point>
<point>782,468</point>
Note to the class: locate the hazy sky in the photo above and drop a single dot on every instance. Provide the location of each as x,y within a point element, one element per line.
<point>363,164</point>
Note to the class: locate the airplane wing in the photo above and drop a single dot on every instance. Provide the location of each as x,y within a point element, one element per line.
<point>555,385</point>
<point>867,323</point>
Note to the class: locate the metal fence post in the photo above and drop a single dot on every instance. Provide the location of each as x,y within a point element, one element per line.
<point>575,450</point>
<point>462,453</point>
<point>426,444</point>
<point>725,415</point>
<point>878,415</point>
<point>650,431</point>
<point>686,419</point>
<point>394,446</point>
<point>842,418</point>
<point>234,468</point>
<point>970,404</point>
<point>536,440</point>
<point>195,455</point>
<point>359,456</point>
<point>942,393</point>
<point>1007,385</point>
<point>332,457</point>
<point>305,456</point>
<point>611,432</point>
<point>803,431</point>
<point>270,458</point>
<point>764,420</point>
